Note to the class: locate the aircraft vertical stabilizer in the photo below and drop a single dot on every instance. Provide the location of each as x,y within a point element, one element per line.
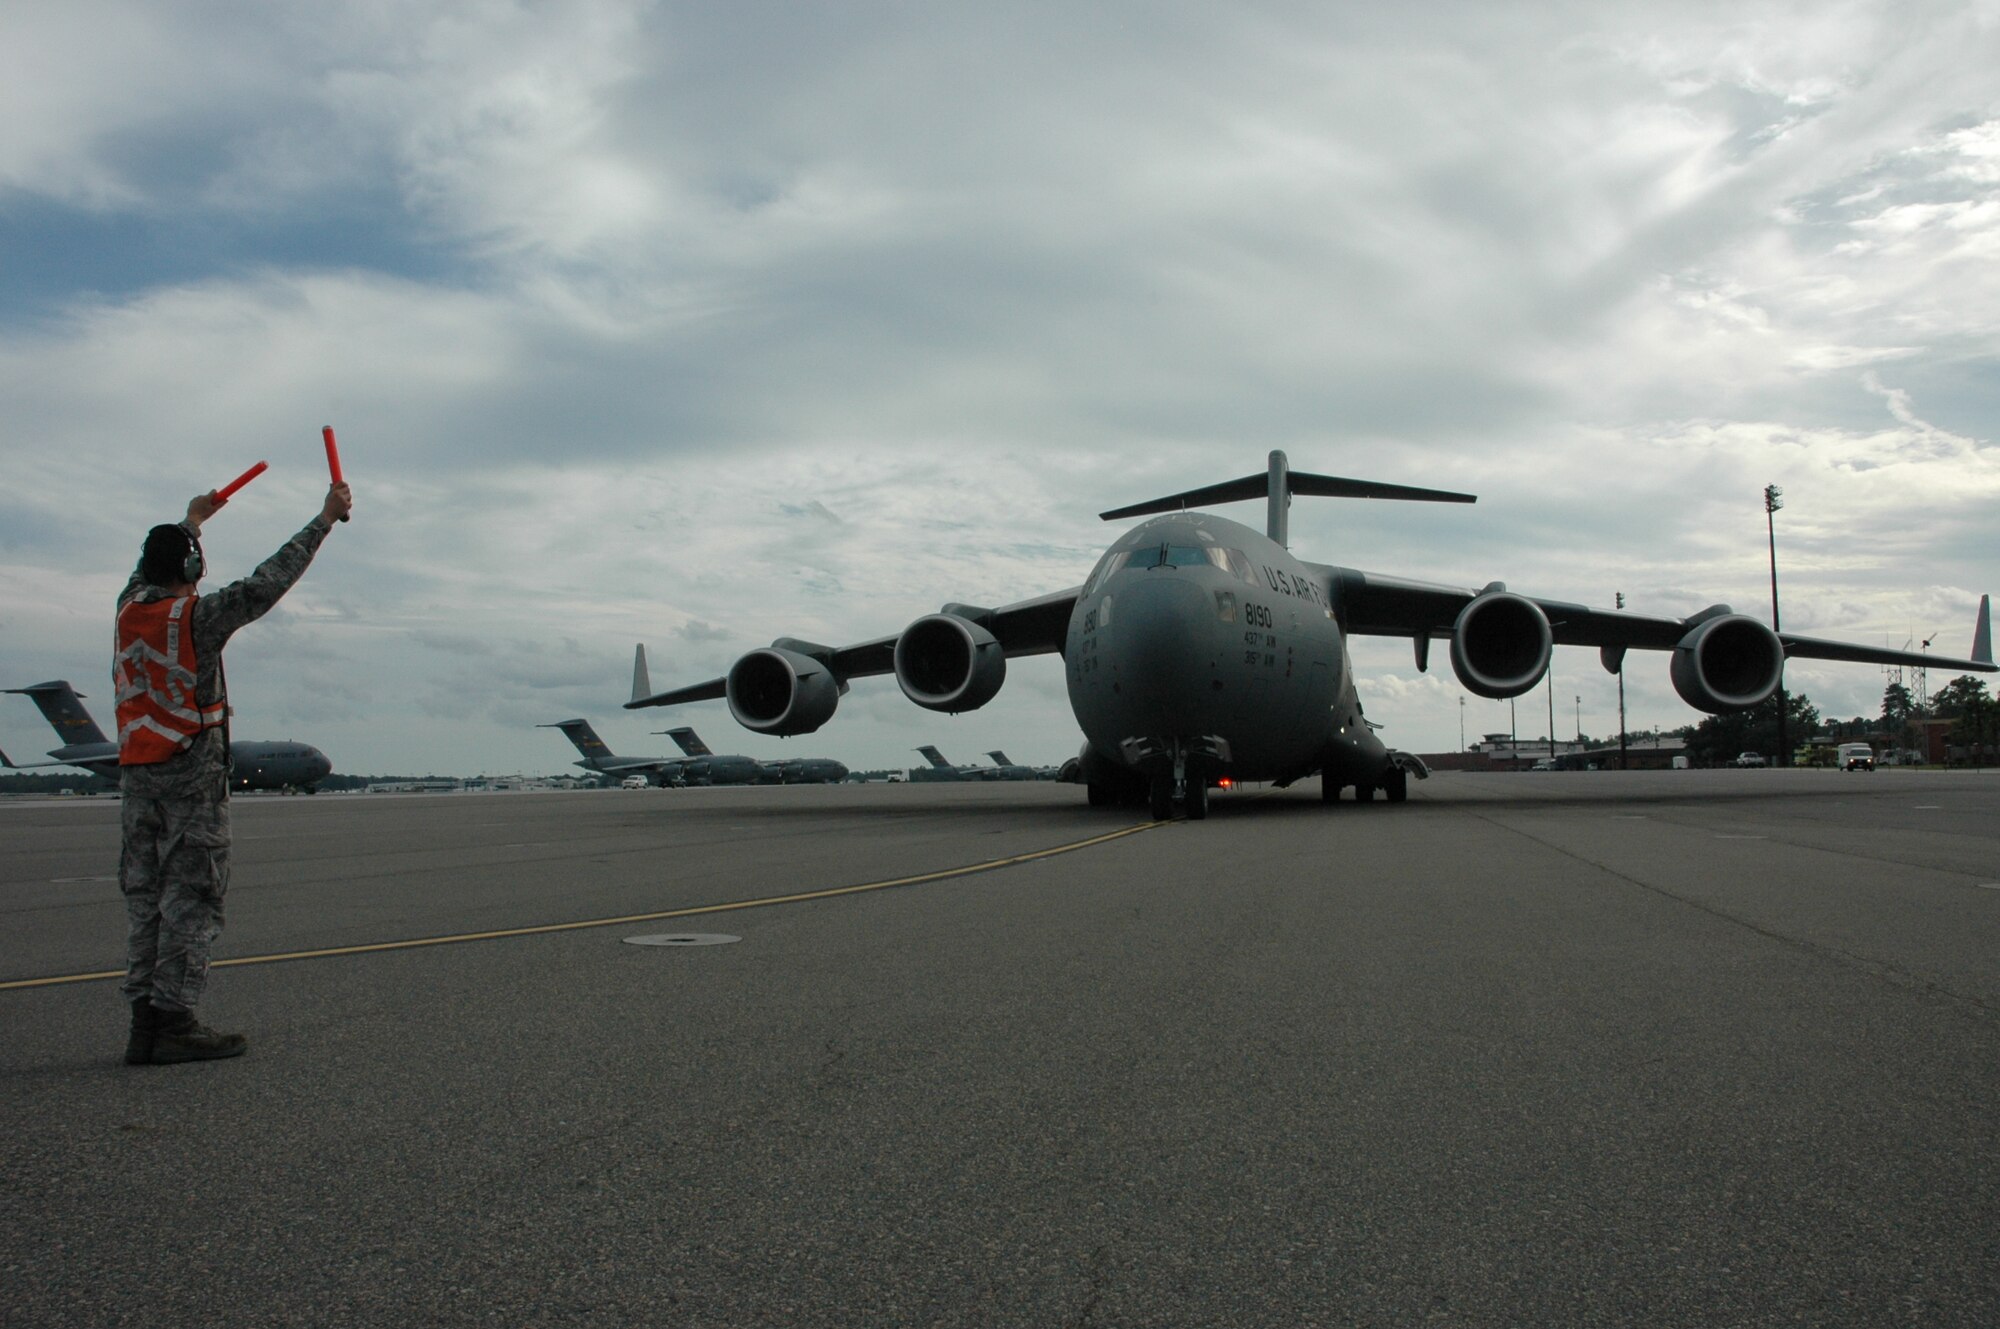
<point>689,742</point>
<point>1982,632</point>
<point>586,739</point>
<point>1278,500</point>
<point>641,688</point>
<point>64,711</point>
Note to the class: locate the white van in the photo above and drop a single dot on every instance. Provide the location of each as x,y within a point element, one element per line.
<point>1854,757</point>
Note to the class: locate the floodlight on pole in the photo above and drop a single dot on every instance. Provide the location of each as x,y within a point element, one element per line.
<point>1621,699</point>
<point>1774,500</point>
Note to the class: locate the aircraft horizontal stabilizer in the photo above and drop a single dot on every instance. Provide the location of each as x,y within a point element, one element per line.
<point>713,690</point>
<point>1276,486</point>
<point>643,694</point>
<point>1302,482</point>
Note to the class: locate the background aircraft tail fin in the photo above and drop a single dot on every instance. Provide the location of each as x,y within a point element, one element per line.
<point>999,758</point>
<point>1982,632</point>
<point>642,687</point>
<point>690,742</point>
<point>936,758</point>
<point>580,733</point>
<point>63,709</point>
<point>1277,485</point>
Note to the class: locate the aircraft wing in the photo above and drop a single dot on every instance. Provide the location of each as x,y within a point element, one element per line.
<point>29,765</point>
<point>1026,627</point>
<point>629,765</point>
<point>1370,604</point>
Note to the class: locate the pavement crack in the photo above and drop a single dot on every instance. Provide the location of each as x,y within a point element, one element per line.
<point>1880,970</point>
<point>1093,1282</point>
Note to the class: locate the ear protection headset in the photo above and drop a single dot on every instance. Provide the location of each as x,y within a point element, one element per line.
<point>194,564</point>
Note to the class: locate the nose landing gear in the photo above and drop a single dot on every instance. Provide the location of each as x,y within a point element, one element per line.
<point>1183,781</point>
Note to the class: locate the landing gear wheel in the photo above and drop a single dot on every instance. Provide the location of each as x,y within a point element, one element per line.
<point>1397,785</point>
<point>1099,796</point>
<point>1197,798</point>
<point>1364,793</point>
<point>1161,804</point>
<point>1329,790</point>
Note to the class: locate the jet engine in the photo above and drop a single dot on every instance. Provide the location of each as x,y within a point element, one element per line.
<point>1728,663</point>
<point>1500,645</point>
<point>776,691</point>
<point>948,663</point>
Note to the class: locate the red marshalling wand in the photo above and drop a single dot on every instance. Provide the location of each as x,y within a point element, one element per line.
<point>332,458</point>
<point>222,494</point>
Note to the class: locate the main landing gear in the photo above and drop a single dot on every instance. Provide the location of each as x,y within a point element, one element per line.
<point>1395,784</point>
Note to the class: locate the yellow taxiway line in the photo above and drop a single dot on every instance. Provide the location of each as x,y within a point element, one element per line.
<point>943,874</point>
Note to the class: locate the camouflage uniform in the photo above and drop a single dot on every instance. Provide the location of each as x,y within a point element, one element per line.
<point>174,866</point>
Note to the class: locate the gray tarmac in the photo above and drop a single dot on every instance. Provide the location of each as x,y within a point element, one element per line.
<point>1673,1048</point>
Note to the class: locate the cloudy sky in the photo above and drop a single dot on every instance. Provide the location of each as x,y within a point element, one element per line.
<point>697,325</point>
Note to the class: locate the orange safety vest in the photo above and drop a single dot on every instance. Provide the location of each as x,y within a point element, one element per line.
<point>154,673</point>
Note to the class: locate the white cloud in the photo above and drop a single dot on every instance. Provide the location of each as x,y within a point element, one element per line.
<point>703,325</point>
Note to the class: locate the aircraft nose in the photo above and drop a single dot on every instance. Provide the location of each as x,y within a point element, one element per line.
<point>1162,640</point>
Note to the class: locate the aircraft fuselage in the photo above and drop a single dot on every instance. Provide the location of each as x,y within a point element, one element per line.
<point>253,764</point>
<point>1202,640</point>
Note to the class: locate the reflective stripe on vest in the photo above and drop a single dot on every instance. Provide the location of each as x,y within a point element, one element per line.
<point>154,673</point>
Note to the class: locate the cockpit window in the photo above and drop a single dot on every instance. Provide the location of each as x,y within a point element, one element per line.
<point>1236,563</point>
<point>1109,564</point>
<point>1232,561</point>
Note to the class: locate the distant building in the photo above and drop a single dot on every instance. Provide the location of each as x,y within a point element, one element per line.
<point>1503,752</point>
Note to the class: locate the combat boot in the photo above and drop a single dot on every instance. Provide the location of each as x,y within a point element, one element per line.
<point>178,1036</point>
<point>145,1023</point>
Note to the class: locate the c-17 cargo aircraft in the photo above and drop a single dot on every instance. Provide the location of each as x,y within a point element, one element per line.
<point>1016,771</point>
<point>597,756</point>
<point>941,769</point>
<point>1199,649</point>
<point>252,764</point>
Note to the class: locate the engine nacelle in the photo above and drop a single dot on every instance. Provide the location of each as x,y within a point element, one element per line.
<point>781,692</point>
<point>1500,645</point>
<point>1728,663</point>
<point>948,663</point>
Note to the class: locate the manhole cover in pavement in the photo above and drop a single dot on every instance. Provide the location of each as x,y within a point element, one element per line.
<point>683,939</point>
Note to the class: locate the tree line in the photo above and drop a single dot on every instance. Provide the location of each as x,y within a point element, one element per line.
<point>1975,729</point>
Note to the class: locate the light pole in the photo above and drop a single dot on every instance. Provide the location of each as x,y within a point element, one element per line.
<point>1621,699</point>
<point>1461,724</point>
<point>1773,497</point>
<point>1552,719</point>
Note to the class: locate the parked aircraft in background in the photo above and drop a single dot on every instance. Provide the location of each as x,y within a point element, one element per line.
<point>1199,650</point>
<point>253,764</point>
<point>707,767</point>
<point>940,769</point>
<point>1015,771</point>
<point>808,770</point>
<point>703,766</point>
<point>600,758</point>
